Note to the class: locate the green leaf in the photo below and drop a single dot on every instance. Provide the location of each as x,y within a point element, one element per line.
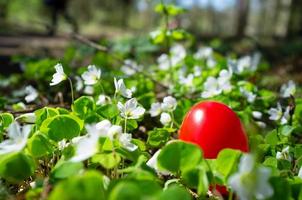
<point>5,120</point>
<point>203,182</point>
<point>169,9</point>
<point>131,124</point>
<point>107,160</point>
<point>66,169</point>
<point>281,188</point>
<point>271,162</point>
<point>227,161</point>
<point>88,186</point>
<point>272,138</point>
<point>175,192</point>
<point>16,167</point>
<point>44,113</point>
<point>62,127</point>
<point>39,145</point>
<point>179,156</point>
<point>131,189</point>
<point>83,106</point>
<point>158,137</point>
<point>108,111</point>
<point>287,130</point>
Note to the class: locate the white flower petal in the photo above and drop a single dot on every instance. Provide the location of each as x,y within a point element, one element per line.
<point>125,140</point>
<point>92,75</point>
<point>165,118</point>
<point>59,76</point>
<point>169,104</point>
<point>155,109</point>
<point>288,89</point>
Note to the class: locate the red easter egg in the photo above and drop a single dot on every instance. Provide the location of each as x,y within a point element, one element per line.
<point>213,126</point>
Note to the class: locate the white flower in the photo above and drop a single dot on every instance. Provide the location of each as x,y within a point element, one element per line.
<point>152,162</point>
<point>27,118</point>
<point>89,90</point>
<point>102,127</point>
<point>120,88</point>
<point>59,76</point>
<point>275,113</point>
<point>17,138</point>
<point>300,173</point>
<point>101,100</point>
<point>131,110</point>
<point>130,67</point>
<point>246,63</point>
<point>215,86</point>
<point>163,62</point>
<point>169,104</point>
<point>105,129</point>
<point>207,54</point>
<point>79,83</point>
<point>257,114</point>
<point>250,96</point>
<point>178,53</point>
<point>197,71</point>
<point>288,89</point>
<point>125,140</point>
<point>155,109</point>
<point>224,80</point>
<point>211,62</point>
<point>85,148</point>
<point>92,75</point>
<point>250,181</point>
<point>261,124</point>
<point>165,118</point>
<point>211,88</point>
<point>286,116</point>
<point>203,53</point>
<point>284,154</point>
<point>187,81</point>
<point>31,94</point>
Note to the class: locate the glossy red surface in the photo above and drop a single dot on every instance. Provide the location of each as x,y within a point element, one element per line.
<point>213,126</point>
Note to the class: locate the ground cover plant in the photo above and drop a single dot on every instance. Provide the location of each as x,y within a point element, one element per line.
<point>108,129</point>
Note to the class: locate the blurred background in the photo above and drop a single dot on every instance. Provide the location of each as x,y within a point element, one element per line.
<point>274,27</point>
<point>261,18</point>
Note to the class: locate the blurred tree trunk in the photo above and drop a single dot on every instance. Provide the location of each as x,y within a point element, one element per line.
<point>277,12</point>
<point>243,12</point>
<point>3,10</point>
<point>295,21</point>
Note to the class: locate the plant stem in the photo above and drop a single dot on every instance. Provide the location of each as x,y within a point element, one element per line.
<point>168,45</point>
<point>102,88</point>
<point>230,195</point>
<point>125,125</point>
<point>71,89</point>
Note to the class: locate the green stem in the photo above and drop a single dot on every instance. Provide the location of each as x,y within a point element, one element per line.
<point>71,89</point>
<point>125,125</point>
<point>168,45</point>
<point>102,88</point>
<point>212,174</point>
<point>174,122</point>
<point>230,195</point>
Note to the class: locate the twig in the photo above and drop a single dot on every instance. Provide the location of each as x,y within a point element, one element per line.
<point>36,108</point>
<point>88,42</point>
